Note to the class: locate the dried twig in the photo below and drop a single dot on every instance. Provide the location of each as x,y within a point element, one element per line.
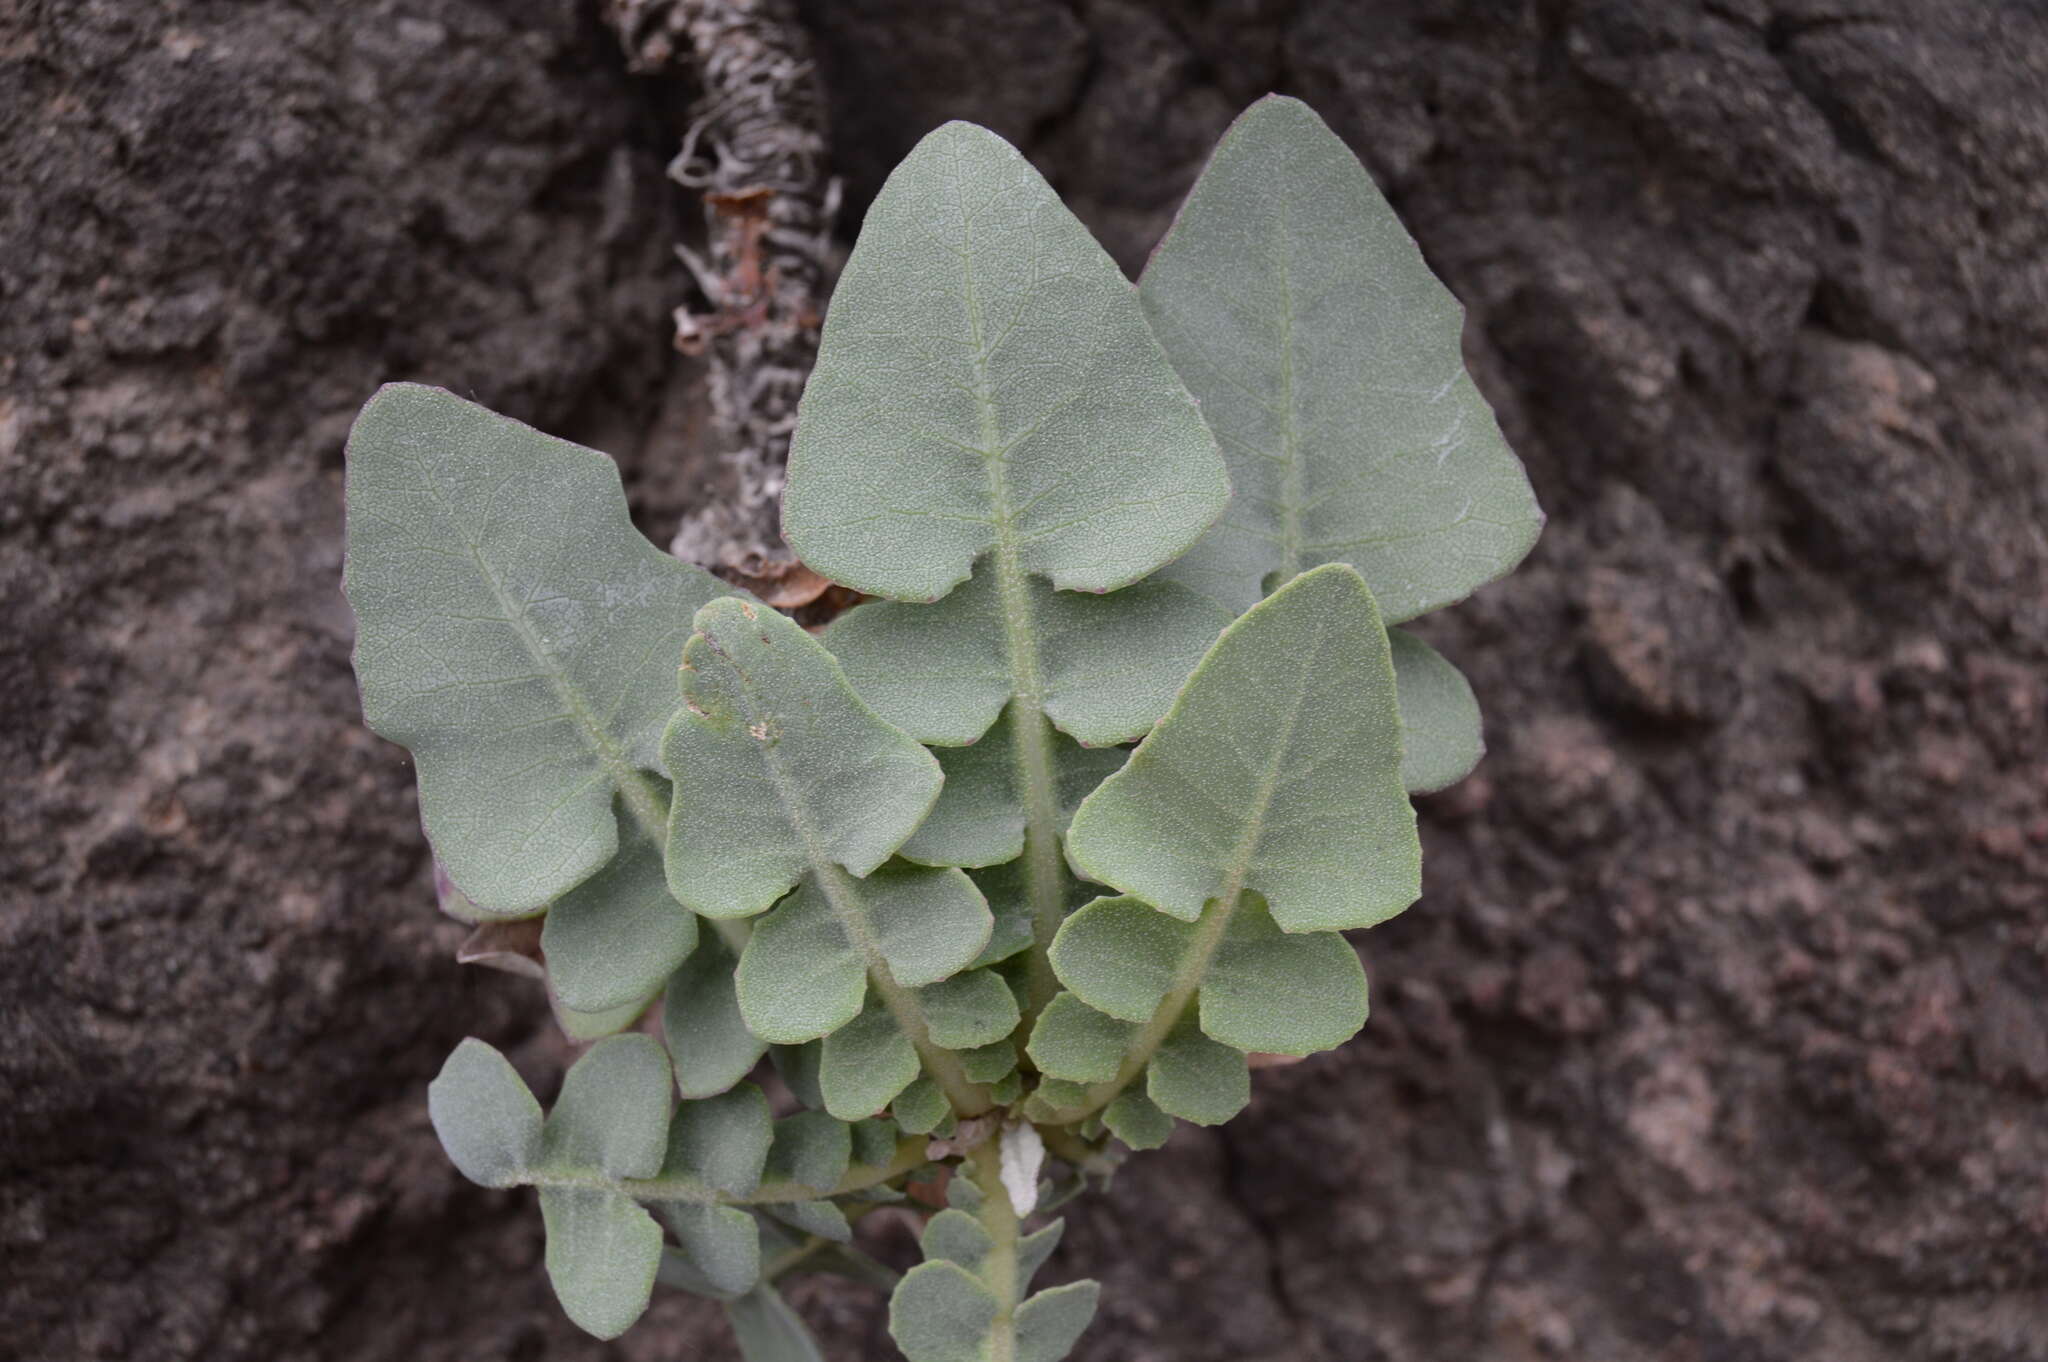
<point>756,150</point>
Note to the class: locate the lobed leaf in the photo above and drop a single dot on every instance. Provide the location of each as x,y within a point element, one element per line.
<point>864,1064</point>
<point>986,380</point>
<point>954,1236</point>
<point>920,1108</point>
<point>485,1116</point>
<point>1051,1322</point>
<point>1327,359</point>
<point>1197,1079</point>
<point>613,941</point>
<point>805,969</point>
<point>1106,667</point>
<point>1278,769</point>
<point>612,1114</point>
<point>602,1254</point>
<point>1441,737</point>
<point>721,1141</point>
<point>940,1312</point>
<point>1259,989</point>
<point>708,1040</point>
<point>516,633</point>
<point>782,767</point>
<point>1074,1041</point>
<point>969,1010</point>
<point>1132,1118</point>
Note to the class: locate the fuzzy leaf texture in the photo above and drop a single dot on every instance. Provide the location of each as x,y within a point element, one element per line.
<point>787,780</point>
<point>1327,359</point>
<point>516,633</point>
<point>986,381</point>
<point>1265,812</point>
<point>1278,770</point>
<point>992,427</point>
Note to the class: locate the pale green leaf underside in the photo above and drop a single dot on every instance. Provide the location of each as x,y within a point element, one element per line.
<point>986,379</point>
<point>515,632</point>
<point>803,973</point>
<point>1278,769</point>
<point>1198,1079</point>
<point>1261,990</point>
<point>613,1111</point>
<point>1132,1118</point>
<point>780,767</point>
<point>487,1118</point>
<point>1109,665</point>
<point>613,940</point>
<point>721,1141</point>
<point>1441,734</point>
<point>708,1040</point>
<point>1327,360</point>
<point>602,1254</point>
<point>1051,1322</point>
<point>979,818</point>
<point>940,1312</point>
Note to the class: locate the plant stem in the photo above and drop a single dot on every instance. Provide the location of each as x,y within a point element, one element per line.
<point>1044,868</point>
<point>910,1153</point>
<point>999,1269</point>
<point>841,890</point>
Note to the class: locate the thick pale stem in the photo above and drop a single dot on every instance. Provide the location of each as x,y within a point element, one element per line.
<point>999,1270</point>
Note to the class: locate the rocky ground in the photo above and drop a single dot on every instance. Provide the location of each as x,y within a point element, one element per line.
<point>1722,1030</point>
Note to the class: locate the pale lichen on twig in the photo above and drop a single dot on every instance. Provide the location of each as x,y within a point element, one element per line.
<point>755,150</point>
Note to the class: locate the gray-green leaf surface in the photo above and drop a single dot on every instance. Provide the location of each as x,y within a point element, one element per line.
<point>613,940</point>
<point>1441,735</point>
<point>516,633</point>
<point>486,1116</point>
<point>1278,770</point>
<point>781,767</point>
<point>1327,359</point>
<point>986,380</point>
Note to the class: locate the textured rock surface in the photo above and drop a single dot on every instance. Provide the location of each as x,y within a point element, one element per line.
<point>1721,1030</point>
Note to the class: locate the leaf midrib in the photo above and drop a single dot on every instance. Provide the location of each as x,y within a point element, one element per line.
<point>1216,914</point>
<point>841,894</point>
<point>1044,868</point>
<point>645,802</point>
